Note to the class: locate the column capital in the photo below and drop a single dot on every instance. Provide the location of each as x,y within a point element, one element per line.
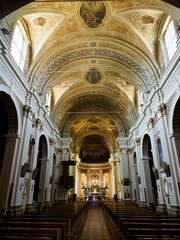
<point>125,150</point>
<point>116,163</point>
<point>27,112</point>
<point>150,124</point>
<point>162,109</point>
<point>137,141</point>
<point>52,141</point>
<point>39,124</point>
<point>66,144</point>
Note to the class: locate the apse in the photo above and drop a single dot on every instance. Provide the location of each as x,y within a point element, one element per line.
<point>94,150</point>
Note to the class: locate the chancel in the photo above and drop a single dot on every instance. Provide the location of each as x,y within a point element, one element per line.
<point>90,119</point>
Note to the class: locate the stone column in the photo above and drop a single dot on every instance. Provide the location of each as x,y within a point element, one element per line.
<point>112,180</point>
<point>42,181</point>
<point>136,184</point>
<point>5,177</point>
<point>22,186</point>
<point>65,148</point>
<point>118,184</point>
<point>31,182</point>
<point>88,179</point>
<point>77,180</point>
<point>101,178</point>
<point>140,177</point>
<point>148,183</point>
<point>49,173</point>
<point>125,175</point>
<point>174,196</point>
<point>72,168</point>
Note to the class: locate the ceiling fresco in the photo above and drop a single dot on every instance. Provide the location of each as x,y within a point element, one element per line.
<point>94,57</point>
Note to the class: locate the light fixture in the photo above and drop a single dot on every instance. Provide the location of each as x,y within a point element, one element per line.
<point>147,92</point>
<point>40,94</point>
<point>5,31</point>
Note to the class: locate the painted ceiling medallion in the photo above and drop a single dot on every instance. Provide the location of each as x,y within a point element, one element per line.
<point>92,44</point>
<point>94,128</point>
<point>94,120</point>
<point>93,61</point>
<point>39,21</point>
<point>93,76</point>
<point>92,13</point>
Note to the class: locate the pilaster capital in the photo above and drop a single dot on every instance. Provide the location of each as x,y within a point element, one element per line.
<point>59,150</point>
<point>52,141</point>
<point>66,144</point>
<point>116,163</point>
<point>125,150</point>
<point>27,112</point>
<point>137,141</point>
<point>150,124</point>
<point>162,109</point>
<point>39,124</point>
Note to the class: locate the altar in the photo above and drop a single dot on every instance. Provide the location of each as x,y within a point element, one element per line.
<point>95,197</point>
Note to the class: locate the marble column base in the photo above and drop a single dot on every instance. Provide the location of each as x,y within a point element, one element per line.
<point>48,204</point>
<point>174,210</point>
<point>162,208</point>
<point>129,201</point>
<point>143,204</point>
<point>30,208</point>
<point>15,211</point>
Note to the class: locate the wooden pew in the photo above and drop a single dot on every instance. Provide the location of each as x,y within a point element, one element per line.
<point>54,233</point>
<point>25,238</point>
<point>57,220</point>
<point>135,233</point>
<point>128,225</point>
<point>59,225</point>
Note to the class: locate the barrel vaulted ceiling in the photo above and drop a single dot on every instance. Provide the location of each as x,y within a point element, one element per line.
<point>94,57</point>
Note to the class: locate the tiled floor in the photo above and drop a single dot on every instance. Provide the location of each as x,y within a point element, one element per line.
<point>94,226</point>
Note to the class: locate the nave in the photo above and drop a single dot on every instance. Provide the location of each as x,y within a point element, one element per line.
<point>95,225</point>
<point>91,220</point>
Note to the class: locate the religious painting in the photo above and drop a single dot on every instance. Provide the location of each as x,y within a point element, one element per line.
<point>92,13</point>
<point>160,153</point>
<point>127,195</point>
<point>94,153</point>
<point>93,76</point>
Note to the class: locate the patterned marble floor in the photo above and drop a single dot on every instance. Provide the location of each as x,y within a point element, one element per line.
<point>94,226</point>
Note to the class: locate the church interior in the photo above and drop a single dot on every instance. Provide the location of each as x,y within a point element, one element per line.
<point>90,101</point>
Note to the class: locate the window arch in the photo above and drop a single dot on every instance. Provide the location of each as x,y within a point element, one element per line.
<point>170,38</point>
<point>19,45</point>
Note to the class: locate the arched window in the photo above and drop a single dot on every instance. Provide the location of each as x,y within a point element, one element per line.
<point>48,101</point>
<point>140,100</point>
<point>170,38</point>
<point>19,45</point>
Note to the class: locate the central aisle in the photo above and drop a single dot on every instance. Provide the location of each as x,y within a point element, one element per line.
<point>94,225</point>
